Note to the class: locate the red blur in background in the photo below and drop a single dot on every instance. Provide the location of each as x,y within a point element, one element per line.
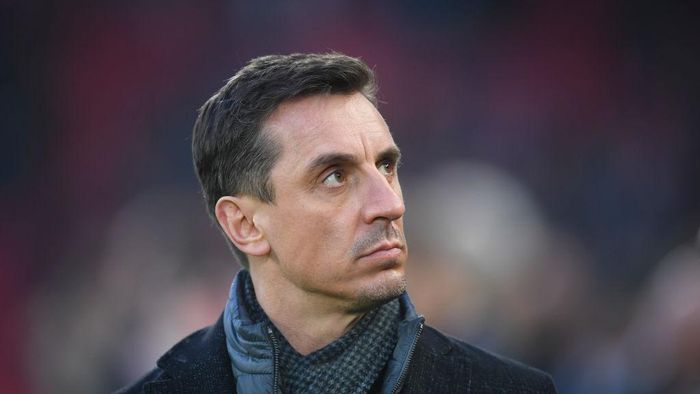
<point>552,167</point>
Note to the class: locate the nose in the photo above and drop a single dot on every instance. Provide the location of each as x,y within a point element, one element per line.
<point>383,200</point>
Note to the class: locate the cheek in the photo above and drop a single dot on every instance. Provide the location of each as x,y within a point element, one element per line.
<point>303,237</point>
<point>324,239</point>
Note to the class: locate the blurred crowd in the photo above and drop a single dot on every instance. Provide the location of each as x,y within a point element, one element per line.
<point>551,175</point>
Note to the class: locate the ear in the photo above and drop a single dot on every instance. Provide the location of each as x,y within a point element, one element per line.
<point>235,216</point>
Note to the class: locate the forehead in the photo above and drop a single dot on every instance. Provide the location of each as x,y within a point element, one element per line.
<point>329,123</point>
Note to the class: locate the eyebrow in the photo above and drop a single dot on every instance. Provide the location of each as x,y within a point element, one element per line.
<point>392,153</point>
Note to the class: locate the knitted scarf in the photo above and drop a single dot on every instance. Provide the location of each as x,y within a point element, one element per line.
<point>350,364</point>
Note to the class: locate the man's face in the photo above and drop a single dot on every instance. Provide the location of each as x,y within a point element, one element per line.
<point>336,225</point>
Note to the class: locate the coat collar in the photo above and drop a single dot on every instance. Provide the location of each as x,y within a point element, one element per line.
<point>201,362</point>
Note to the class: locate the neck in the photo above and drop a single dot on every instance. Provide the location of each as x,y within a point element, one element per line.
<point>308,321</point>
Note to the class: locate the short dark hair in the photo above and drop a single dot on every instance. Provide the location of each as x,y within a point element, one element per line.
<point>231,154</point>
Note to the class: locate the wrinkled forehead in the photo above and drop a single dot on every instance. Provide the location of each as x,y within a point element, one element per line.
<point>328,123</point>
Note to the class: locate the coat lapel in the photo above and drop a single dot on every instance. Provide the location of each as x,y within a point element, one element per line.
<point>436,367</point>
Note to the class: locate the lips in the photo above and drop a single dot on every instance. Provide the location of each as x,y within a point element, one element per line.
<point>385,248</point>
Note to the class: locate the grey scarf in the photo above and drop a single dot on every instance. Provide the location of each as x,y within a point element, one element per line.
<point>350,364</point>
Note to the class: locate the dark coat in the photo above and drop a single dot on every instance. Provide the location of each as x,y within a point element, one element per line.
<point>200,364</point>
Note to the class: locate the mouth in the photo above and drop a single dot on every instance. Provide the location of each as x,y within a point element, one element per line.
<point>387,249</point>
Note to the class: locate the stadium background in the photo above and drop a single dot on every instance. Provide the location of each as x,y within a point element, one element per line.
<point>552,178</point>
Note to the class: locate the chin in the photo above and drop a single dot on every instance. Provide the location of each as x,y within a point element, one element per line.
<point>379,291</point>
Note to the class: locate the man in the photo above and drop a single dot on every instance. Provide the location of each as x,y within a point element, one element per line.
<point>299,169</point>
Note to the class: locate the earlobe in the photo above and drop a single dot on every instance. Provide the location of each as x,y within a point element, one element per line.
<point>236,217</point>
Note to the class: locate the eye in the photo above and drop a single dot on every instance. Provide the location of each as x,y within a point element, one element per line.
<point>387,167</point>
<point>335,179</point>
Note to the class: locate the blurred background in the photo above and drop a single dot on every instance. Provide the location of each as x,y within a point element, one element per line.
<point>552,178</point>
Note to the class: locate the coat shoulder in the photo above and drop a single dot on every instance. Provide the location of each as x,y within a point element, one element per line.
<point>197,363</point>
<point>477,370</point>
<point>158,374</point>
<point>138,387</point>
